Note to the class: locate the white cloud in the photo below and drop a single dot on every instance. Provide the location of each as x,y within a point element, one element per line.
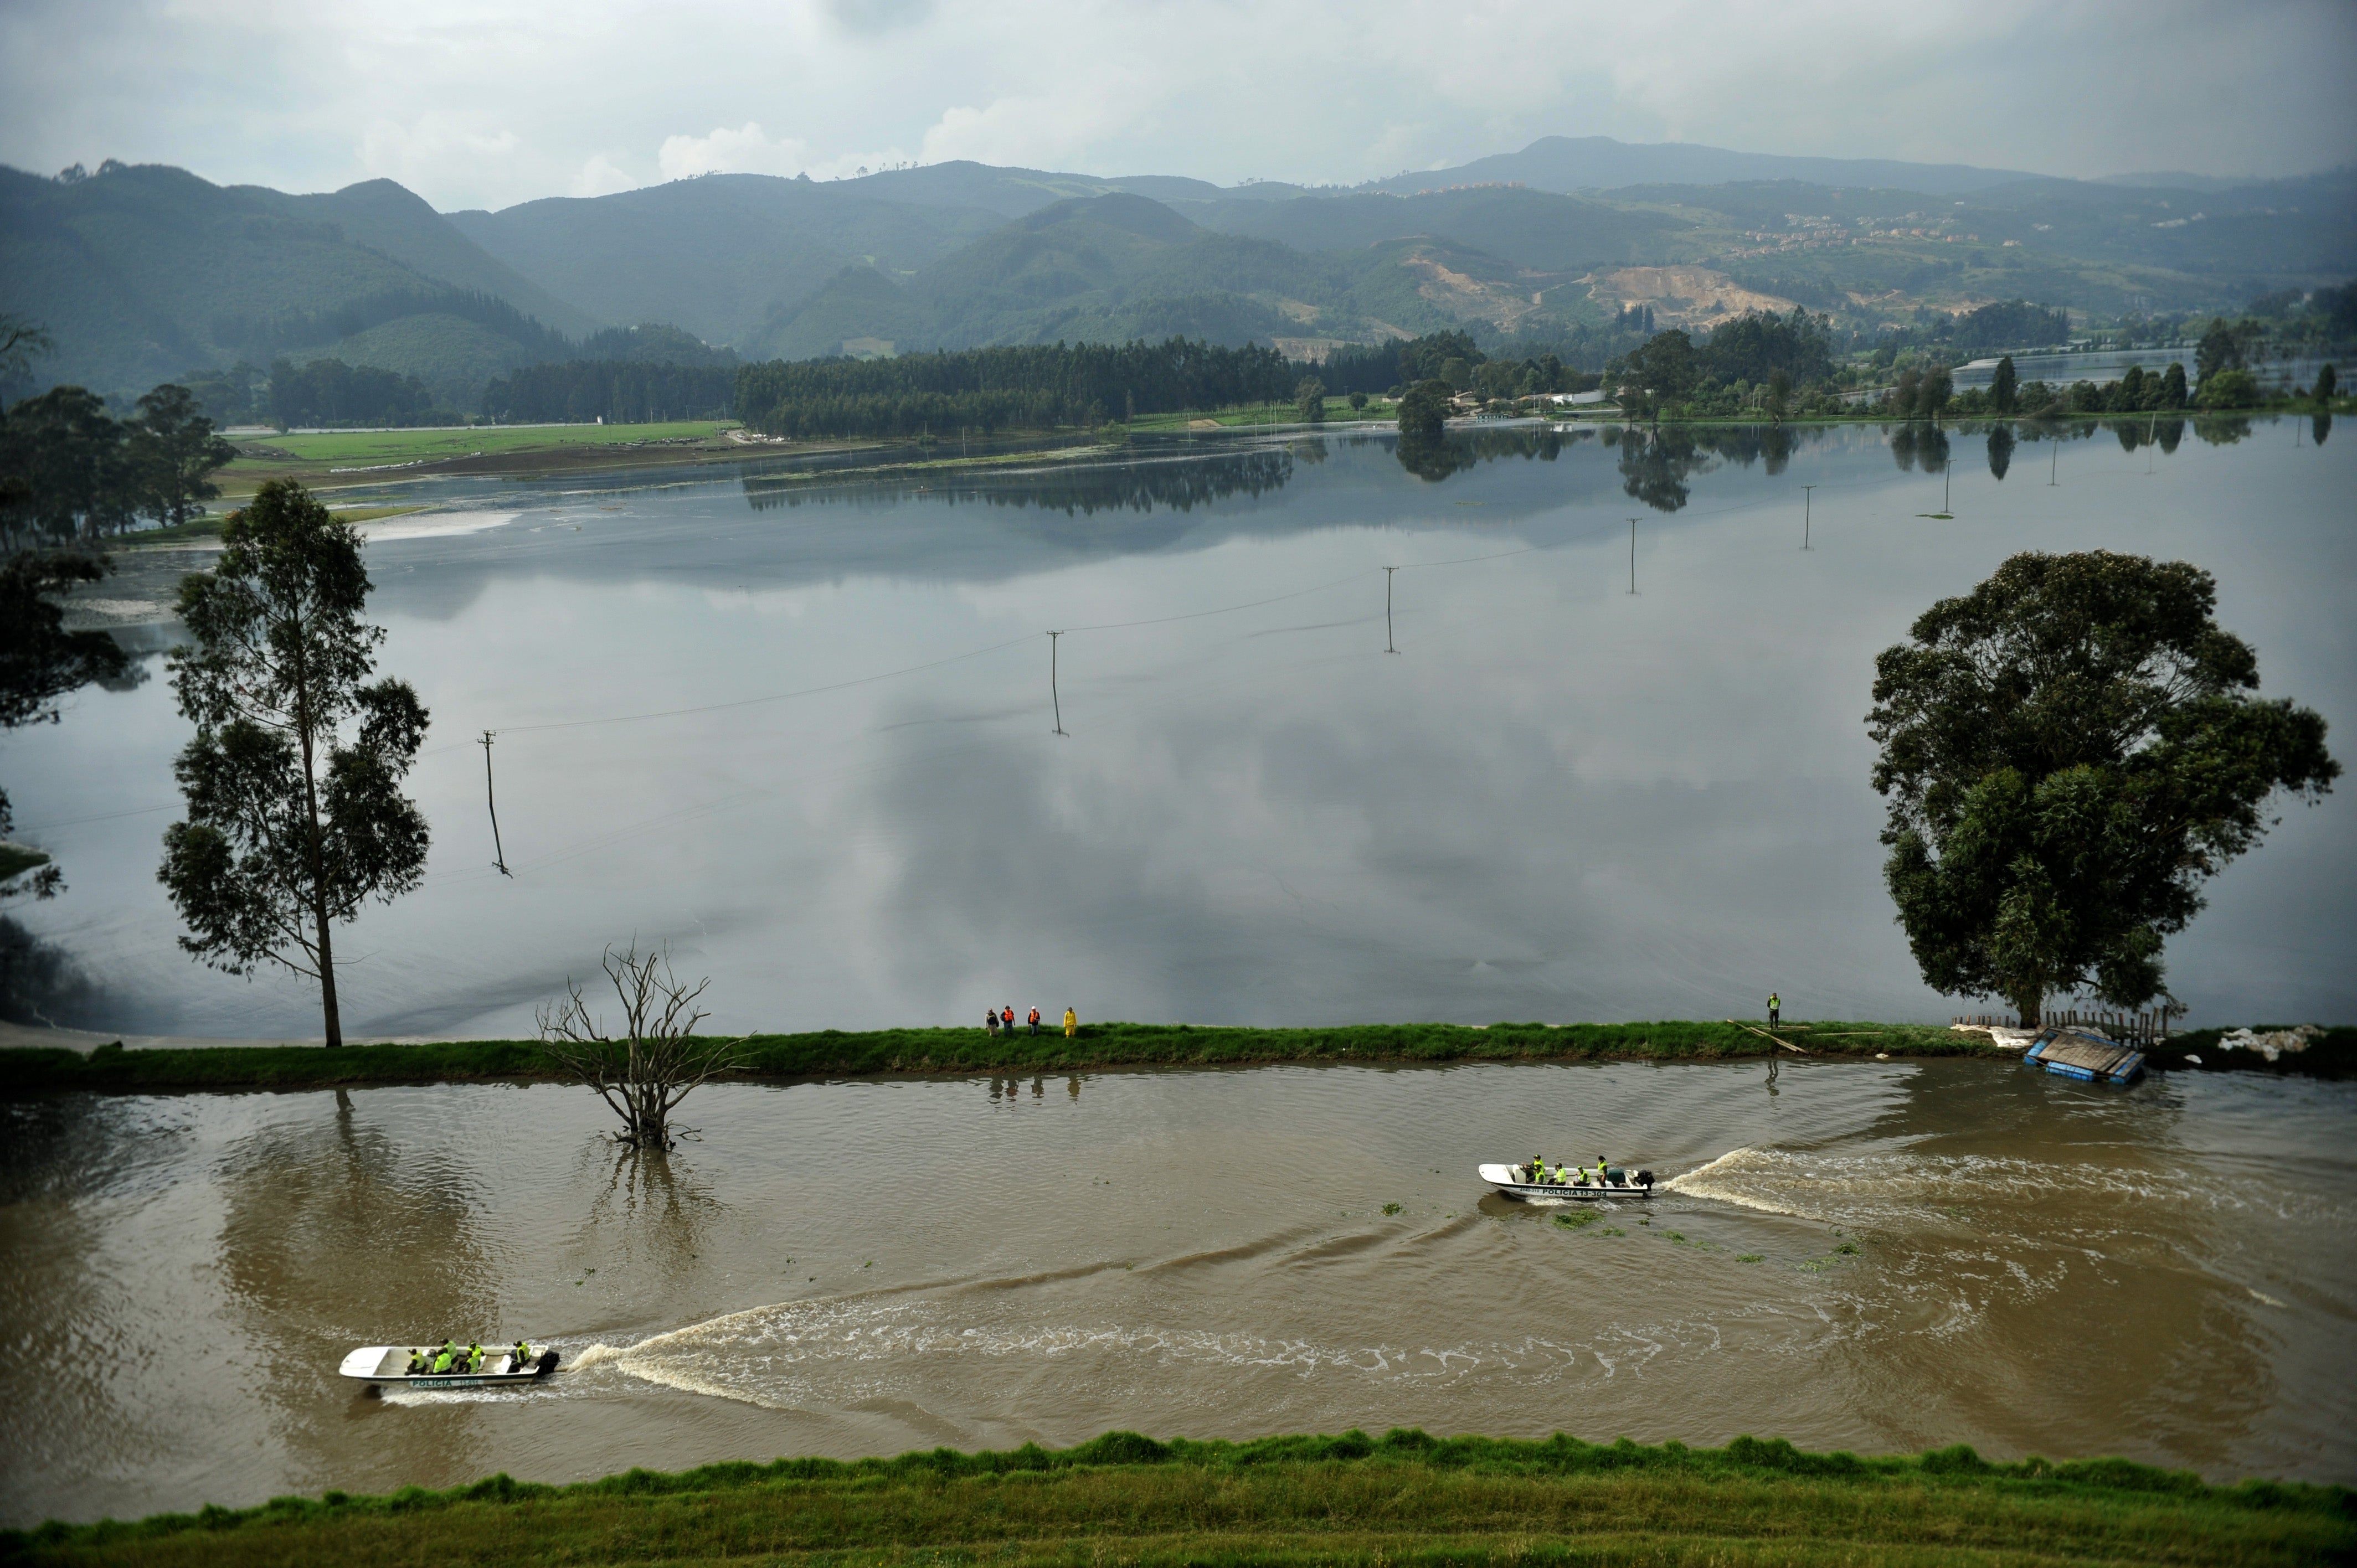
<point>601,177</point>
<point>492,101</point>
<point>745,150</point>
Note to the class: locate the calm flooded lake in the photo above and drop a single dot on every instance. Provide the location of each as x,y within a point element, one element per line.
<point>803,731</point>
<point>1877,1256</point>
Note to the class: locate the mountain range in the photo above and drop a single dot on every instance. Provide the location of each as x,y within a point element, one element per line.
<point>147,273</point>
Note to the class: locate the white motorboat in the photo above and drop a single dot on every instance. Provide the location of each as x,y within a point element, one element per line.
<point>388,1365</point>
<point>1526,1182</point>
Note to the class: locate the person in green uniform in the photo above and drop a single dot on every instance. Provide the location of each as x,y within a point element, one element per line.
<point>522,1353</point>
<point>1775,1006</point>
<point>442,1358</point>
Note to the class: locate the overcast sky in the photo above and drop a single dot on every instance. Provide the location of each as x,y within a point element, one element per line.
<point>484,103</point>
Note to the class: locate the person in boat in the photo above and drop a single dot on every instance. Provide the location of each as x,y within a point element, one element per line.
<point>1603,1172</point>
<point>419,1360</point>
<point>522,1356</point>
<point>442,1358</point>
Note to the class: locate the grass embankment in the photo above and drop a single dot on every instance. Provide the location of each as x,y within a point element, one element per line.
<point>1404,1498</point>
<point>834,1052</point>
<point>368,456</point>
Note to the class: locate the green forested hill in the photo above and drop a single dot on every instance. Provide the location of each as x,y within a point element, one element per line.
<point>1531,228</point>
<point>142,273</point>
<point>720,255</point>
<point>1119,266</point>
<point>149,272</point>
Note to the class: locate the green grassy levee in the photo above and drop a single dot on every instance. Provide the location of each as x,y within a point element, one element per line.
<point>834,1053</point>
<point>1404,1498</point>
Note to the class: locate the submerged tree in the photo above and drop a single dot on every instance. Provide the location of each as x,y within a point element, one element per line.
<point>1423,409</point>
<point>656,1059</point>
<point>296,814</point>
<point>2069,751</point>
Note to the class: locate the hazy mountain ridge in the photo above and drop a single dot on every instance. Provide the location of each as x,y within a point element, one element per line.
<point>147,273</point>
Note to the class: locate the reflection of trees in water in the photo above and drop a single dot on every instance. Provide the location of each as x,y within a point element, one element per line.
<point>79,1409</point>
<point>1656,464</point>
<point>1434,458</point>
<point>647,1208</point>
<point>2320,426</point>
<point>2000,450</point>
<point>1178,484</point>
<point>40,983</point>
<point>333,1235</point>
<point>1924,445</point>
<point>2153,430</point>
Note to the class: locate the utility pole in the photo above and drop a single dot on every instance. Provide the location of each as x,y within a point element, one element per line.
<point>500,854</point>
<point>1387,609</point>
<point>2054,463</point>
<point>1633,556</point>
<point>1808,504</point>
<point>1947,479</point>
<point>1053,695</point>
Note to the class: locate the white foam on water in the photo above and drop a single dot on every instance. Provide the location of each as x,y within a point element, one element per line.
<point>2259,1294</point>
<point>795,1355</point>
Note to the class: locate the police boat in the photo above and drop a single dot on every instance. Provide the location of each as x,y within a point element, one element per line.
<point>1538,1181</point>
<point>387,1366</point>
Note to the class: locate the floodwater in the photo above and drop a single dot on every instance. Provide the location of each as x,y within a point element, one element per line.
<point>2110,364</point>
<point>1558,766</point>
<point>1884,1257</point>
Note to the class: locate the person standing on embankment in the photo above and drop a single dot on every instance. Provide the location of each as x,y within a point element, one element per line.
<point>1775,1006</point>
<point>1071,1024</point>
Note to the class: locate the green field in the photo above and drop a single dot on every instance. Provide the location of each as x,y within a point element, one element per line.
<point>1403,1499</point>
<point>832,1053</point>
<point>385,446</point>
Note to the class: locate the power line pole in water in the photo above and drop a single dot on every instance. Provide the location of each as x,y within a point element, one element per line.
<point>500,854</point>
<point>1387,609</point>
<point>1633,556</point>
<point>1808,504</point>
<point>2054,464</point>
<point>1052,694</point>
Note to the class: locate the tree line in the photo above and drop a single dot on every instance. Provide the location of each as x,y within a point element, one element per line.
<point>621,391</point>
<point>1778,357</point>
<point>71,475</point>
<point>1033,386</point>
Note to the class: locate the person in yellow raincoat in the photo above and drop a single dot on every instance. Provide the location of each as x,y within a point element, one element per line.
<point>1071,1022</point>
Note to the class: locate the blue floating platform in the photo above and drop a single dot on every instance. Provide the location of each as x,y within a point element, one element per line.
<point>2090,1058</point>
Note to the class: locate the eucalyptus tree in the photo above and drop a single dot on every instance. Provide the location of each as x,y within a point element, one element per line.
<point>296,815</point>
<point>2068,752</point>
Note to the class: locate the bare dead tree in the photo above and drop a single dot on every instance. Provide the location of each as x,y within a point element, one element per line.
<point>654,1060</point>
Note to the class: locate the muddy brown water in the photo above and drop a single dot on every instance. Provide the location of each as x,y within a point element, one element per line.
<point>1879,1256</point>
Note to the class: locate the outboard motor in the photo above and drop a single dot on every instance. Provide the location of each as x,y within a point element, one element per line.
<point>1645,1180</point>
<point>546,1364</point>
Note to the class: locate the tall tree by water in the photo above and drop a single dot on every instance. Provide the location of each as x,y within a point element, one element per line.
<point>1310,400</point>
<point>2005,387</point>
<point>2068,752</point>
<point>175,452</point>
<point>296,814</point>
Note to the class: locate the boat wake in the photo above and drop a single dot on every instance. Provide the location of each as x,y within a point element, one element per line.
<point>802,1356</point>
